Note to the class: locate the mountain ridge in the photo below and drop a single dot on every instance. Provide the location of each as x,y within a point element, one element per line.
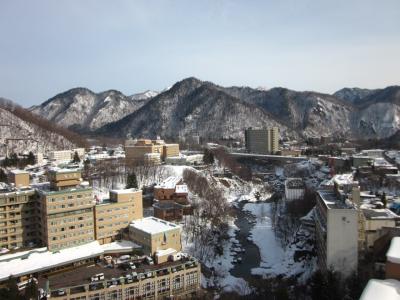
<point>348,112</point>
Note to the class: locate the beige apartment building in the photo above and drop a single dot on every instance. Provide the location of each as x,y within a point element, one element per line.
<point>19,217</point>
<point>113,215</point>
<point>149,150</point>
<point>18,178</point>
<point>262,141</point>
<point>67,210</point>
<point>155,234</point>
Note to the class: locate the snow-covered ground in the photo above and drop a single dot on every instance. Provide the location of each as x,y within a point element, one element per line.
<point>274,259</point>
<point>221,278</point>
<point>263,236</point>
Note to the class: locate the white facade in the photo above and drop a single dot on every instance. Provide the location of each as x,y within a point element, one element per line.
<point>294,189</point>
<point>342,240</point>
<point>60,155</point>
<point>336,228</point>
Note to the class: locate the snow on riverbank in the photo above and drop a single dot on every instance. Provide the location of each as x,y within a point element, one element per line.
<point>263,236</point>
<point>221,265</point>
<point>274,259</point>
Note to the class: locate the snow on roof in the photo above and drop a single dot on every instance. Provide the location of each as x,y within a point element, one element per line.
<point>168,251</point>
<point>119,246</point>
<point>393,254</point>
<point>372,213</point>
<point>38,260</point>
<point>16,172</point>
<point>123,191</point>
<point>170,182</point>
<point>343,179</point>
<point>381,289</point>
<point>153,225</point>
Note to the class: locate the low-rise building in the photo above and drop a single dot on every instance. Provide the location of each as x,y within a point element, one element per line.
<point>150,151</point>
<point>19,178</point>
<point>375,219</point>
<point>172,188</point>
<point>169,211</point>
<point>58,156</point>
<point>294,188</point>
<point>155,234</point>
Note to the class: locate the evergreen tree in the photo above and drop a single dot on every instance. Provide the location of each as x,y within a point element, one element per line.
<point>12,290</point>
<point>31,290</point>
<point>30,159</point>
<point>131,181</point>
<point>208,157</point>
<point>76,158</point>
<point>3,176</point>
<point>383,199</point>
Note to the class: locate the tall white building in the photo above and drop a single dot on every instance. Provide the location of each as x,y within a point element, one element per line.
<point>336,230</point>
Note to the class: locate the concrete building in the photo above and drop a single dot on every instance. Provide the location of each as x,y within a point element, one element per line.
<point>294,188</point>
<point>113,215</point>
<point>173,189</point>
<point>360,161</point>
<point>60,155</point>
<point>170,150</point>
<point>67,210</point>
<point>18,178</point>
<point>63,178</point>
<point>155,234</point>
<point>336,230</point>
<point>65,155</point>
<point>171,199</point>
<point>375,219</point>
<point>262,141</point>
<point>145,150</point>
<point>20,217</point>
<point>169,211</point>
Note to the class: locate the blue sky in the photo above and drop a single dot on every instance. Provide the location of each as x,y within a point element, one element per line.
<point>47,47</point>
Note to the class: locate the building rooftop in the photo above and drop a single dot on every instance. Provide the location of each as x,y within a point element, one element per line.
<point>78,188</point>
<point>169,183</point>
<point>332,201</point>
<point>38,260</point>
<point>295,183</point>
<point>343,179</point>
<point>152,225</point>
<point>378,213</point>
<point>16,172</point>
<point>123,191</point>
<point>81,275</point>
<point>393,254</point>
<point>381,289</point>
<point>6,189</point>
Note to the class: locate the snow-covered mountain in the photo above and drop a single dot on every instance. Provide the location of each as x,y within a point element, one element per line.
<point>83,110</point>
<point>145,95</point>
<point>195,107</point>
<point>21,131</point>
<point>353,95</point>
<point>192,107</point>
